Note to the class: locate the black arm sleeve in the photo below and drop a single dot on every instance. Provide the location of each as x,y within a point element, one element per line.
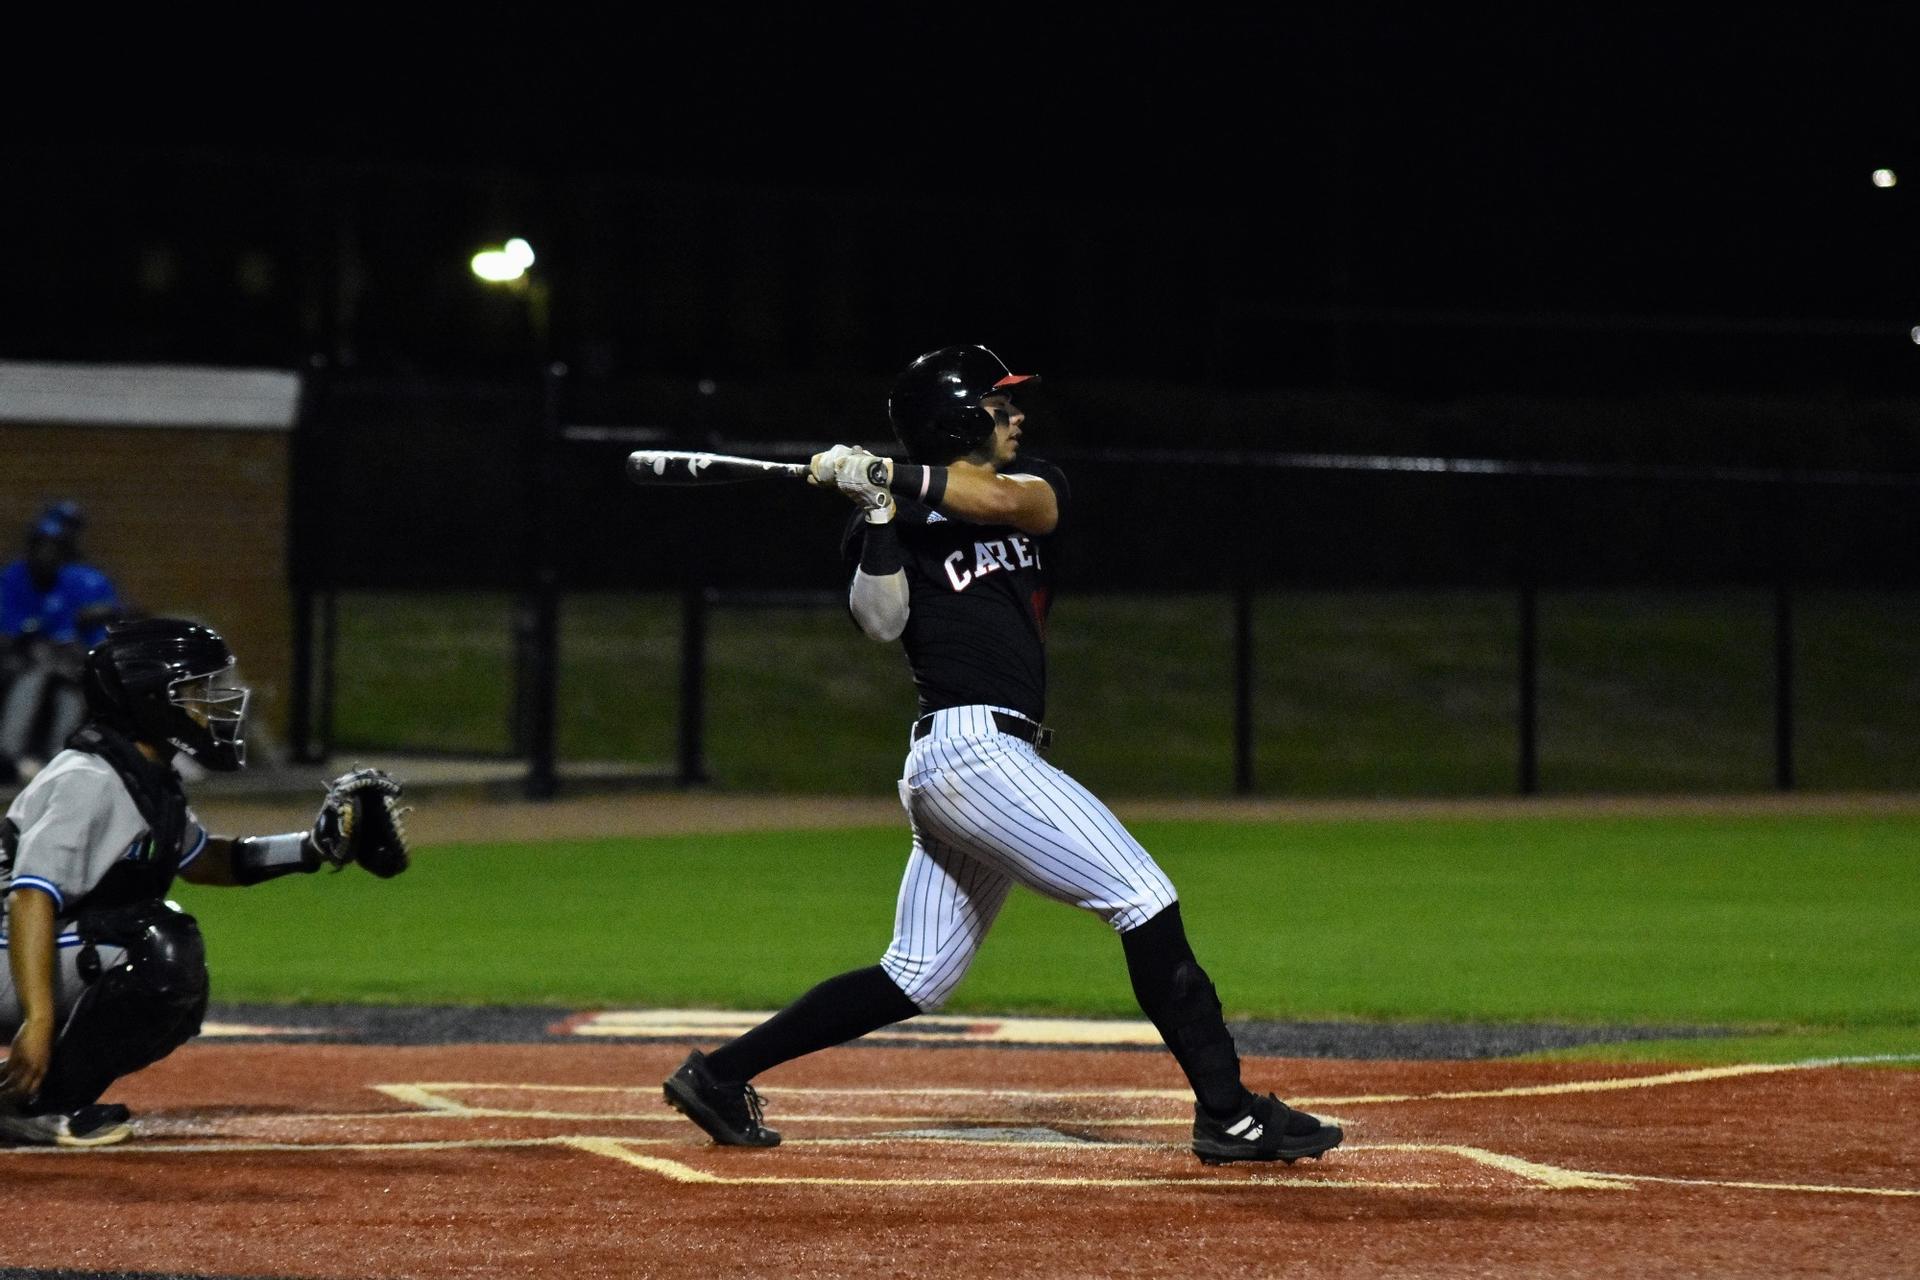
<point>880,550</point>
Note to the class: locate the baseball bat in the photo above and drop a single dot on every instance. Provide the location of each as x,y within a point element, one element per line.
<point>653,467</point>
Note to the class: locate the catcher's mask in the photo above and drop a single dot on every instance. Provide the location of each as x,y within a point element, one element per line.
<point>163,681</point>
<point>935,406</point>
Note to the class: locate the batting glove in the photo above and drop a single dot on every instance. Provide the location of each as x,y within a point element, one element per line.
<point>863,478</point>
<point>858,468</point>
<point>820,469</point>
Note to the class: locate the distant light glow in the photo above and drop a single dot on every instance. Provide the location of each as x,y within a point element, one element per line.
<point>505,264</point>
<point>1885,178</point>
<point>707,386</point>
<point>495,267</point>
<point>1914,333</point>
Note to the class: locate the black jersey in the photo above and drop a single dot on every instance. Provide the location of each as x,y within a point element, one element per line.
<point>978,597</point>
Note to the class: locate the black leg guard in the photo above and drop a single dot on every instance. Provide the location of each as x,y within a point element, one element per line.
<point>838,1010</point>
<point>133,1014</point>
<point>1202,1044</point>
<point>1178,998</point>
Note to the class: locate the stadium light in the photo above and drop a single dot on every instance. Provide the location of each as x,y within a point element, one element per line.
<point>1885,178</point>
<point>505,264</point>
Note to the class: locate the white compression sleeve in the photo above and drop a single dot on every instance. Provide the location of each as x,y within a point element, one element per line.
<point>879,604</point>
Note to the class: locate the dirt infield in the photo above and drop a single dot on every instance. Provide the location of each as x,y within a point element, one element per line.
<point>560,1160</point>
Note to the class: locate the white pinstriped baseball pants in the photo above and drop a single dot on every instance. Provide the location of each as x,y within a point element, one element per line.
<point>988,813</point>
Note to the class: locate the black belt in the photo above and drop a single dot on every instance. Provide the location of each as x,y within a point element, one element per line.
<point>1037,736</point>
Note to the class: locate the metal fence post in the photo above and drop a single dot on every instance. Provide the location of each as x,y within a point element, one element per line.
<point>1243,685</point>
<point>1527,571</point>
<point>329,664</point>
<point>1783,559</point>
<point>693,685</point>
<point>307,563</point>
<point>540,610</point>
<point>1529,764</point>
<point>1255,535</point>
<point>300,713</point>
<point>1782,685</point>
<point>541,623</point>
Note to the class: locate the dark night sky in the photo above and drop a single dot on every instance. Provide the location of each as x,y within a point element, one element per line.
<point>1574,158</point>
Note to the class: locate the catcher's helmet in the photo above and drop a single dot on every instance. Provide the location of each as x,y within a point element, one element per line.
<point>154,680</point>
<point>935,405</point>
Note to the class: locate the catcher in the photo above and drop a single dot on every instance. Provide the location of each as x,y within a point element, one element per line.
<point>103,976</point>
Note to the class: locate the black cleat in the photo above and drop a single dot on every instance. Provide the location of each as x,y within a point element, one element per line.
<point>730,1113</point>
<point>97,1125</point>
<point>94,1125</point>
<point>1268,1129</point>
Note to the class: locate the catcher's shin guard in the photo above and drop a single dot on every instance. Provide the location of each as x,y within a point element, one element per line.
<point>133,1014</point>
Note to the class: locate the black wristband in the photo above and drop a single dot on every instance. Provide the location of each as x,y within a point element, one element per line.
<point>880,552</point>
<point>923,484</point>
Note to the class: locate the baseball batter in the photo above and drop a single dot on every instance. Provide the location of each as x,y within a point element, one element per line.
<point>951,554</point>
<point>102,975</point>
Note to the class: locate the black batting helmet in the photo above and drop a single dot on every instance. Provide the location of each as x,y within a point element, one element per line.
<point>935,405</point>
<point>154,680</point>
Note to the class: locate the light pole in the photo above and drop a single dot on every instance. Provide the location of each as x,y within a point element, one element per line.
<point>537,620</point>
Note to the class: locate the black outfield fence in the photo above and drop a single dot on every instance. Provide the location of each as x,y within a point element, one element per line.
<point>521,491</point>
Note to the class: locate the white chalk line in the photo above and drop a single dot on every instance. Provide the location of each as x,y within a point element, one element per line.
<point>1810,1187</point>
<point>1533,1171</point>
<point>1610,1083</point>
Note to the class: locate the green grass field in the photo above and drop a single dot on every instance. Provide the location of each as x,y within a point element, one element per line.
<point>1803,930</point>
<point>1401,694</point>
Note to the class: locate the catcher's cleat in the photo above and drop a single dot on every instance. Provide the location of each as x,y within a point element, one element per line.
<point>90,1126</point>
<point>1267,1129</point>
<point>730,1113</point>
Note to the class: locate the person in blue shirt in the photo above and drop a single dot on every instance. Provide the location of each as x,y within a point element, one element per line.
<point>53,608</point>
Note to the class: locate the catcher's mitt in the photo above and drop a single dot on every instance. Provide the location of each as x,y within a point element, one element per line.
<point>358,822</point>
